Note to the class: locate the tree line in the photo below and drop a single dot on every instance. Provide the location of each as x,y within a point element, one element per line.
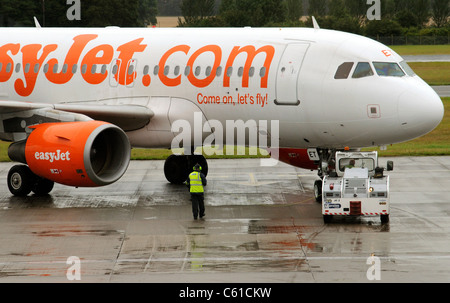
<point>398,17</point>
<point>93,13</point>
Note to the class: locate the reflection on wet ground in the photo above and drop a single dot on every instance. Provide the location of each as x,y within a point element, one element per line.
<point>261,225</point>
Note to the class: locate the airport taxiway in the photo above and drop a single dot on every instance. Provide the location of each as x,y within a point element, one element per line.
<point>427,58</point>
<point>442,91</point>
<point>261,225</point>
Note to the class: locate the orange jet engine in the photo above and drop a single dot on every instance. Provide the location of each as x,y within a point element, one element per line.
<point>80,154</point>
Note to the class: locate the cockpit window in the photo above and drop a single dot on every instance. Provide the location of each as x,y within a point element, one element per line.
<point>362,70</point>
<point>408,70</point>
<point>343,70</point>
<point>387,69</point>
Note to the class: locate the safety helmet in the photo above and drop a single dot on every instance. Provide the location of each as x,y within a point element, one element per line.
<point>197,167</point>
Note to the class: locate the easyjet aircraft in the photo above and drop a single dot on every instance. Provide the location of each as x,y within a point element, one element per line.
<point>74,101</point>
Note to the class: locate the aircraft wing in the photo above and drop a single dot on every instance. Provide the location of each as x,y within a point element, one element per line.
<point>127,117</point>
<point>7,107</point>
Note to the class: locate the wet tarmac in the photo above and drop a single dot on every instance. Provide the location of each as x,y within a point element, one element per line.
<point>261,225</point>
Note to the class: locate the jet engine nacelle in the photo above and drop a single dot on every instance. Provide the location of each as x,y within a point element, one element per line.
<point>81,154</point>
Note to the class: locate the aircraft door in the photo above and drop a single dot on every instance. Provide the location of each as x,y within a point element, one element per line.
<point>124,77</point>
<point>114,70</point>
<point>288,74</point>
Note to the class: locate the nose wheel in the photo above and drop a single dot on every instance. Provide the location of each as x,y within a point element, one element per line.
<point>318,191</point>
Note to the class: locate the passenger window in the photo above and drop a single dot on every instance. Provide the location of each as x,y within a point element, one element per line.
<point>103,70</point>
<point>146,68</point>
<point>166,70</point>
<point>197,71</point>
<point>386,69</point>
<point>262,72</point>
<point>240,71</point>
<point>219,71</point>
<point>362,70</point>
<point>55,68</point>
<point>208,71</point>
<point>115,68</point>
<point>187,70</point>
<point>156,70</point>
<point>229,71</point>
<point>27,68</point>
<point>64,69</point>
<point>18,66</point>
<point>343,70</point>
<point>251,72</point>
<point>130,70</point>
<point>176,71</point>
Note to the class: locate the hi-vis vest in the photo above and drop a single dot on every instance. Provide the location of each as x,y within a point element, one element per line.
<point>195,182</point>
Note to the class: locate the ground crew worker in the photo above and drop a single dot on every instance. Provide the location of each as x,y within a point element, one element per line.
<point>195,182</point>
<point>351,164</point>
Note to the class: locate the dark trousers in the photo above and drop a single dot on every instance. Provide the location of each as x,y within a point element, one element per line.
<point>198,204</point>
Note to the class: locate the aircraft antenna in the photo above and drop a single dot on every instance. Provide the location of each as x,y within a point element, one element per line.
<point>316,25</point>
<point>36,22</point>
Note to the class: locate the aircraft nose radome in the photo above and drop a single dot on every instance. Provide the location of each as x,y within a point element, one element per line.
<point>420,111</point>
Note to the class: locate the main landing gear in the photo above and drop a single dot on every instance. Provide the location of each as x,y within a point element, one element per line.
<point>178,167</point>
<point>22,181</point>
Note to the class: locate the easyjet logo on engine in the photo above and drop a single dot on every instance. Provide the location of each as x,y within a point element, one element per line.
<point>35,56</point>
<point>53,156</point>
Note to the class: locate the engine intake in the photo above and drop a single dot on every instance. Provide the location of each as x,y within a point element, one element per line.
<point>83,154</point>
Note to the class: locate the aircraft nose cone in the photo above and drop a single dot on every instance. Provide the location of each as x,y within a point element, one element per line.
<point>420,111</point>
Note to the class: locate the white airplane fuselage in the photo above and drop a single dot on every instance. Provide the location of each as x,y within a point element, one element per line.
<point>228,74</point>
